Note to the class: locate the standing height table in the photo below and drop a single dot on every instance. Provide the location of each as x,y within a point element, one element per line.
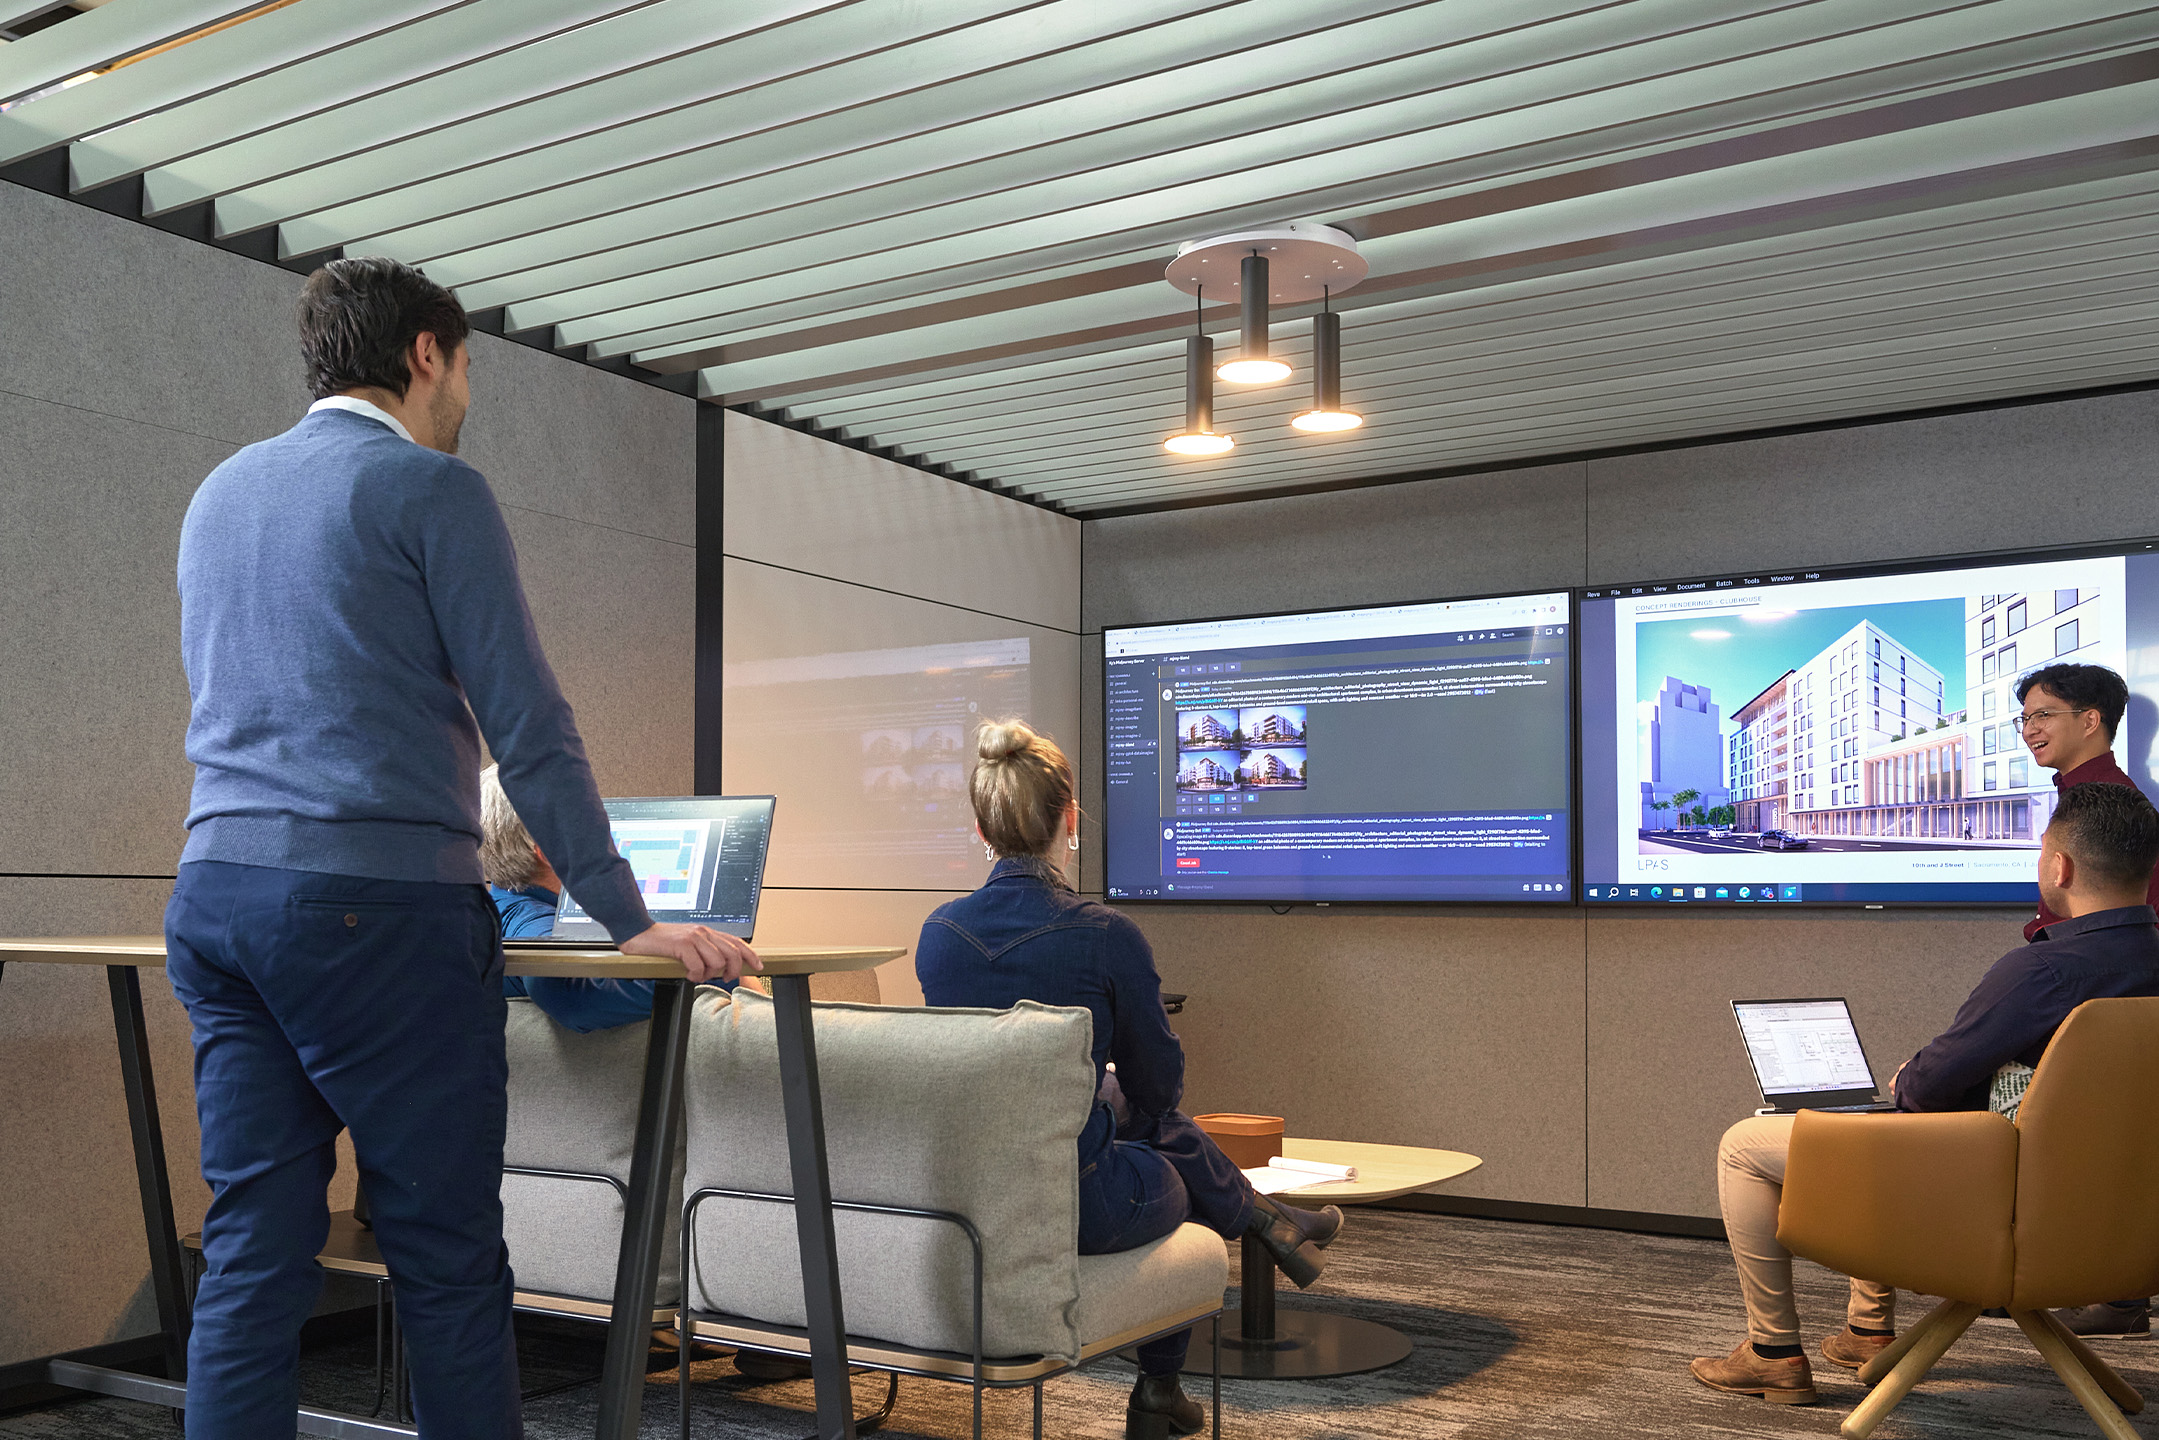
<point>622,1381</point>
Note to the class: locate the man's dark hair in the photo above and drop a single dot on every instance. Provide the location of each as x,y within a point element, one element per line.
<point>2088,687</point>
<point>2110,831</point>
<point>358,319</point>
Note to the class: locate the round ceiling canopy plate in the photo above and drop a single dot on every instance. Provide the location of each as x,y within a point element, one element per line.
<point>1304,262</point>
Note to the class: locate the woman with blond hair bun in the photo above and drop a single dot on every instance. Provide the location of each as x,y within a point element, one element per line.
<point>1145,1168</point>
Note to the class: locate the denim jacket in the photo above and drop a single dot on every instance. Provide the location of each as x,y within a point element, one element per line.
<point>1026,936</point>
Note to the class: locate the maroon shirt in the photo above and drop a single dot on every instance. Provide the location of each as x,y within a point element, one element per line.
<point>2099,770</point>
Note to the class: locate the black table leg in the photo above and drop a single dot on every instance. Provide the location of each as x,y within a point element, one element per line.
<point>1260,1342</point>
<point>637,1266</point>
<point>159,1226</point>
<point>813,1207</point>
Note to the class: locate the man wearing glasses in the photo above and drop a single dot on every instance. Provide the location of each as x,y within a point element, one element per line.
<point>2070,715</point>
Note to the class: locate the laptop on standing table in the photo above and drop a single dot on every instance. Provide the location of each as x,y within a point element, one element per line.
<point>1807,1056</point>
<point>698,859</point>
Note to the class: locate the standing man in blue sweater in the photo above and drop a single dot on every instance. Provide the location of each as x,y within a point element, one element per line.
<point>352,624</point>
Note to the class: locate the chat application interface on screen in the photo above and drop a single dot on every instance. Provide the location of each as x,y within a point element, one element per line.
<point>1843,737</point>
<point>1414,752</point>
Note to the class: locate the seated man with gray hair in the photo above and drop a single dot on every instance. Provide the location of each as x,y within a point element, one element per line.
<point>526,891</point>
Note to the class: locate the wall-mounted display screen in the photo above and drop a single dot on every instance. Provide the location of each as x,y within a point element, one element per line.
<point>1394,753</point>
<point>1845,736</point>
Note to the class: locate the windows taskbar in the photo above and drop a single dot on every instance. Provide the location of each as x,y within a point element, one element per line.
<point>1981,893</point>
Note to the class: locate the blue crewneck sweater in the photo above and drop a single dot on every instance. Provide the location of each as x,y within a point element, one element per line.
<point>349,608</point>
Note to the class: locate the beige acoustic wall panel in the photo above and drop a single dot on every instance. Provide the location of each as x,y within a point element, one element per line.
<point>857,708</point>
<point>811,505</point>
<point>1455,1030</point>
<point>1666,1071</point>
<point>617,615</point>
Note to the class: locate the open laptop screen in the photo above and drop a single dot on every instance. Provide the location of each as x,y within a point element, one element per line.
<point>1803,1047</point>
<point>699,859</point>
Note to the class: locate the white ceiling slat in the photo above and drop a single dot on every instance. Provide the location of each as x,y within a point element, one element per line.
<point>98,37</point>
<point>387,128</point>
<point>1265,91</point>
<point>617,120</point>
<point>1158,194</point>
<point>883,99</point>
<point>264,44</point>
<point>832,262</point>
<point>236,118</point>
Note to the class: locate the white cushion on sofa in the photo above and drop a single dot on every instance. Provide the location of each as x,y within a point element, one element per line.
<point>1183,1271</point>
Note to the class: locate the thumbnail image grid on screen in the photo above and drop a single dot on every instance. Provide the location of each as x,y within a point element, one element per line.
<point>1845,736</point>
<point>1389,753</point>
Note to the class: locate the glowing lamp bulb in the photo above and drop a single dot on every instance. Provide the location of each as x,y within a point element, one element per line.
<point>1199,442</point>
<point>1262,371</point>
<point>1323,422</point>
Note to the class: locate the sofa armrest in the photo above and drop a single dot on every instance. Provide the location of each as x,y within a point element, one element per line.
<point>1924,1202</point>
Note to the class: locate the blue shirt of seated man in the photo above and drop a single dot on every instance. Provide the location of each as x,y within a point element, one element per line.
<point>578,1003</point>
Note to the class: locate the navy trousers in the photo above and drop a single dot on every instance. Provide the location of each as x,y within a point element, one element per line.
<point>1159,1173</point>
<point>322,1003</point>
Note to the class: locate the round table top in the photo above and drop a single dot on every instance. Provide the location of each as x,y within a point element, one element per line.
<point>1383,1171</point>
<point>149,950</point>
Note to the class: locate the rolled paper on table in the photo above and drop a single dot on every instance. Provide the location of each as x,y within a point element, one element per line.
<point>1314,1167</point>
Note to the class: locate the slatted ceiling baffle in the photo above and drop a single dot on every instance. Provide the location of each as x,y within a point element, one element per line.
<point>941,228</point>
<point>97,38</point>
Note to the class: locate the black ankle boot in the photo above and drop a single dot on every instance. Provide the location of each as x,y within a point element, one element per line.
<point>1294,1237</point>
<point>1159,1408</point>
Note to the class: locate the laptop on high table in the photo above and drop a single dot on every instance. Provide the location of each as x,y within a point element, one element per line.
<point>698,859</point>
<point>1807,1056</point>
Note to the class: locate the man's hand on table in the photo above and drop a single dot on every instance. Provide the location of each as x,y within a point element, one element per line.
<point>704,952</point>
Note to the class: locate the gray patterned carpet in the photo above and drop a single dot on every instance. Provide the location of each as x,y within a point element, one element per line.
<point>1520,1331</point>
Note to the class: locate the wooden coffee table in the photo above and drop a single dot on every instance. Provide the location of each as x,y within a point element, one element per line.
<point>1260,1342</point>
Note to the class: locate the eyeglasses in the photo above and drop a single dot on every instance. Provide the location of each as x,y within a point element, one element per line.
<point>2032,717</point>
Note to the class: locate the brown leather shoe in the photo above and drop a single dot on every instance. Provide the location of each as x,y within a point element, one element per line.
<point>1851,1350</point>
<point>1780,1382</point>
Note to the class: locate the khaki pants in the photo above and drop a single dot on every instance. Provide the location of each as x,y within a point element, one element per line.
<point>1750,1185</point>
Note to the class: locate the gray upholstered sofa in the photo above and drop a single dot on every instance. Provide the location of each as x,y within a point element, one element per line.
<point>566,1159</point>
<point>972,1113</point>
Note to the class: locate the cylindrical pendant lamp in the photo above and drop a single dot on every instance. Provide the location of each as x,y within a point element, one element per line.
<point>1198,437</point>
<point>1327,413</point>
<point>1253,365</point>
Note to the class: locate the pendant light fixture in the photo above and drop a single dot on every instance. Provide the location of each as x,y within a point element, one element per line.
<point>1293,263</point>
<point>1253,365</point>
<point>1197,440</point>
<point>1327,415</point>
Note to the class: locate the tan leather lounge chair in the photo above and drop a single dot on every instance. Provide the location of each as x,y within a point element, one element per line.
<point>2054,1210</point>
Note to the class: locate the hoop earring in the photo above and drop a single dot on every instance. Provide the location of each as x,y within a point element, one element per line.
<point>1072,842</point>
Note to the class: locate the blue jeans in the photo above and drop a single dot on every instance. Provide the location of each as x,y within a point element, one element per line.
<point>322,1003</point>
<point>1159,1173</point>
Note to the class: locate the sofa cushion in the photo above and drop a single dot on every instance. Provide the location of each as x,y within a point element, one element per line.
<point>1185,1270</point>
<point>573,1107</point>
<point>973,1111</point>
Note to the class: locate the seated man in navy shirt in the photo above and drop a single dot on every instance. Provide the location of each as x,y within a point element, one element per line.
<point>526,890</point>
<point>2095,863</point>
